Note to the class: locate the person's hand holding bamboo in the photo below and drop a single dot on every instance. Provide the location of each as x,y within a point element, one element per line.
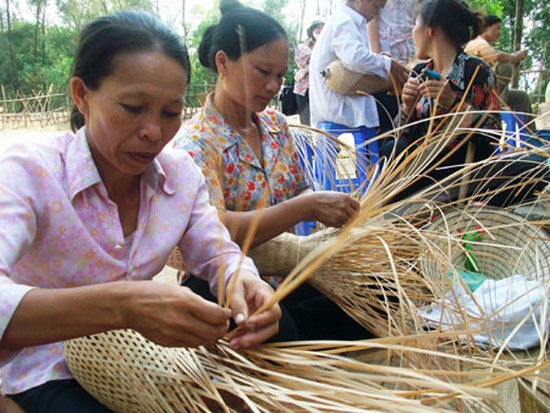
<point>246,294</point>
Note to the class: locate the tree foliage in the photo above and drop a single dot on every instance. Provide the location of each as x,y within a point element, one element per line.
<point>35,53</point>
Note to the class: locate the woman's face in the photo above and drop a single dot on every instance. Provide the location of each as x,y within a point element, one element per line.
<point>420,38</point>
<point>256,77</point>
<point>135,111</point>
<point>492,32</point>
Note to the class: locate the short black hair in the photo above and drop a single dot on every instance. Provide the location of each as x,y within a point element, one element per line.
<point>455,17</point>
<point>491,19</point>
<point>104,38</point>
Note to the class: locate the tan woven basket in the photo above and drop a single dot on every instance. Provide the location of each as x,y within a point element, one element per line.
<point>533,399</point>
<point>129,374</point>
<point>510,245</point>
<point>342,80</point>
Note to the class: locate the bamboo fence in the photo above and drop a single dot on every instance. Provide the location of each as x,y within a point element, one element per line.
<point>42,109</point>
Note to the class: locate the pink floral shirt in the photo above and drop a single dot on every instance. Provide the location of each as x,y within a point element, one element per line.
<point>303,55</point>
<point>58,228</point>
<point>236,179</point>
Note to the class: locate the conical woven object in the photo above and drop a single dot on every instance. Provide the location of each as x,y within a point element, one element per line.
<point>508,244</point>
<point>342,80</point>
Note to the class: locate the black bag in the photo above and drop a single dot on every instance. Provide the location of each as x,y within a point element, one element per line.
<point>288,100</point>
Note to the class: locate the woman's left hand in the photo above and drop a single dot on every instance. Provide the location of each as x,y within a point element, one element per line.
<point>440,90</point>
<point>249,294</point>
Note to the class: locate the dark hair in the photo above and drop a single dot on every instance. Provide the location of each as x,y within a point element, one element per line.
<point>491,19</point>
<point>104,38</point>
<point>312,27</point>
<point>239,25</point>
<point>457,20</point>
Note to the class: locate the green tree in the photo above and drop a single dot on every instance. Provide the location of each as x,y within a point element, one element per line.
<point>76,13</point>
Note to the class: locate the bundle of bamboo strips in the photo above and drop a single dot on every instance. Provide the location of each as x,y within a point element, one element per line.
<point>127,373</point>
<point>371,268</point>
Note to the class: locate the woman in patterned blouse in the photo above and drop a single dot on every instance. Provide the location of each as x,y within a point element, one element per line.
<point>442,27</point>
<point>247,153</point>
<point>87,221</point>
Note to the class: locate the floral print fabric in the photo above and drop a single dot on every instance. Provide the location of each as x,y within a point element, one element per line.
<point>468,76</point>
<point>58,228</point>
<point>236,178</point>
<point>303,55</point>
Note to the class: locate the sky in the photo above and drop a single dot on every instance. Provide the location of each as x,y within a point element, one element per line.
<point>171,10</point>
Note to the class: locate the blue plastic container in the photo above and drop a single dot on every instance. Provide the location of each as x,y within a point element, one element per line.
<point>517,133</point>
<point>326,153</point>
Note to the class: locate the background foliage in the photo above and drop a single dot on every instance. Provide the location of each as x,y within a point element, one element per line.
<point>36,53</point>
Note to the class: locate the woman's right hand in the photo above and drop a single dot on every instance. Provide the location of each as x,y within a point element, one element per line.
<point>331,208</point>
<point>411,91</point>
<point>172,316</point>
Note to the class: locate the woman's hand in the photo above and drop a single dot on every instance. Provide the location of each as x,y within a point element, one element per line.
<point>331,208</point>
<point>410,95</point>
<point>171,315</point>
<point>249,294</point>
<point>440,90</point>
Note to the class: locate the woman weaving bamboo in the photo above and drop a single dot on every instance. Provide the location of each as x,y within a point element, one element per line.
<point>450,81</point>
<point>87,220</point>
<point>248,156</point>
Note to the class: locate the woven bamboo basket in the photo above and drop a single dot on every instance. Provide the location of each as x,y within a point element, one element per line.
<point>510,245</point>
<point>533,399</point>
<point>127,373</point>
<point>342,80</point>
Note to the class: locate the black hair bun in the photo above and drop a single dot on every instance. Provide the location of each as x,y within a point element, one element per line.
<point>228,5</point>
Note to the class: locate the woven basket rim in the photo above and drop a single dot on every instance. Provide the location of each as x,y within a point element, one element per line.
<point>521,235</point>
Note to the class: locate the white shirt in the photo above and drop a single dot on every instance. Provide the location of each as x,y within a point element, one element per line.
<point>344,37</point>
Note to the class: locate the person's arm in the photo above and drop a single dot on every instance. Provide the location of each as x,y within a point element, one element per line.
<point>490,55</point>
<point>164,314</point>
<point>210,254</point>
<point>333,209</point>
<point>33,316</point>
<point>515,57</point>
<point>374,36</point>
<point>330,208</point>
<point>350,47</point>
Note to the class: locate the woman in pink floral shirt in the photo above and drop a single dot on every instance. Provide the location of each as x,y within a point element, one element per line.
<point>247,153</point>
<point>301,78</point>
<point>88,220</point>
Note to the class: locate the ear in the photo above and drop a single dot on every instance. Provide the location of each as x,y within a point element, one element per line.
<point>222,62</point>
<point>80,94</point>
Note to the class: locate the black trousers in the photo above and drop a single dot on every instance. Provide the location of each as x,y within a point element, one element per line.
<point>58,396</point>
<point>503,173</point>
<point>303,108</point>
<point>307,315</point>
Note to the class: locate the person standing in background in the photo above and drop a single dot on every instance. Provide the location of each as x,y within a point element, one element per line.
<point>502,63</point>
<point>390,34</point>
<point>301,78</point>
<point>345,38</point>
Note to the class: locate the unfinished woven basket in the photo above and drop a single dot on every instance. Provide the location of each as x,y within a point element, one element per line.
<point>342,80</point>
<point>510,245</point>
<point>130,374</point>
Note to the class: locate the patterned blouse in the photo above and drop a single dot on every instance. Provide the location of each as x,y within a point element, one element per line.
<point>235,177</point>
<point>59,229</point>
<point>303,55</point>
<point>469,75</point>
